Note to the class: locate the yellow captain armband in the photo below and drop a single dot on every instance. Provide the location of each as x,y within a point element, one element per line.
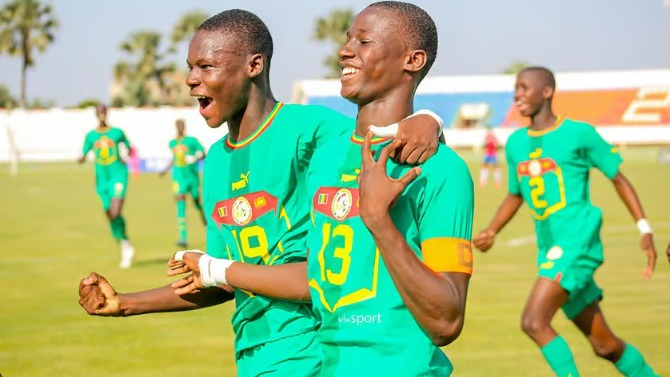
<point>448,254</point>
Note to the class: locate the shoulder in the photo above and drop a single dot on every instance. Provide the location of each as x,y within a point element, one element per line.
<point>216,151</point>
<point>577,125</point>
<point>446,166</point>
<point>313,113</point>
<point>332,148</point>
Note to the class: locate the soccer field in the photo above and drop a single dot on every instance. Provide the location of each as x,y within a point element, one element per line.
<point>54,232</point>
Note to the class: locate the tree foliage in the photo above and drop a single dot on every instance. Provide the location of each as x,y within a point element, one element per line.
<point>333,28</point>
<point>26,26</point>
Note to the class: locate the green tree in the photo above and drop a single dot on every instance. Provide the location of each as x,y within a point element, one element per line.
<point>143,79</point>
<point>515,67</point>
<point>7,101</point>
<point>185,27</point>
<point>26,25</point>
<point>333,28</point>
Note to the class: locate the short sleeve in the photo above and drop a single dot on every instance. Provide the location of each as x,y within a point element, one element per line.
<point>88,144</point>
<point>445,225</point>
<point>601,154</point>
<point>512,179</point>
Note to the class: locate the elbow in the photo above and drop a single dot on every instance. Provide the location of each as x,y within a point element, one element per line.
<point>447,331</point>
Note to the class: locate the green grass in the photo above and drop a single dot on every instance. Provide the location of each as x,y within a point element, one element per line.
<point>54,232</point>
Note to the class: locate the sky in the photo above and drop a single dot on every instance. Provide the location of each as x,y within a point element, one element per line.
<point>475,37</point>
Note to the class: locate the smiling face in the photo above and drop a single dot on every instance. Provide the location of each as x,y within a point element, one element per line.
<point>531,92</point>
<point>218,75</point>
<point>373,57</point>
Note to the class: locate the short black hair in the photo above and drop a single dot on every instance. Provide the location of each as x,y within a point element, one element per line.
<point>248,27</point>
<point>418,26</point>
<point>546,74</point>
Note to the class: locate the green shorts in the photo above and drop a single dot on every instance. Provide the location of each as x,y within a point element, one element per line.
<point>186,186</point>
<point>573,268</point>
<point>294,356</point>
<point>113,187</point>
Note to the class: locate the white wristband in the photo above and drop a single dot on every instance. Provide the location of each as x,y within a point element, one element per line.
<point>179,255</point>
<point>392,129</point>
<point>437,118</point>
<point>644,227</point>
<point>213,270</point>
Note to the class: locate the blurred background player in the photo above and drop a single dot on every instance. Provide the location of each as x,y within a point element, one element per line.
<point>396,314</point>
<point>186,155</point>
<point>549,164</point>
<point>254,190</point>
<point>134,162</point>
<point>491,146</point>
<point>111,177</point>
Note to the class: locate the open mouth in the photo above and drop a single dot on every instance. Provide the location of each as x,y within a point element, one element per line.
<point>348,72</point>
<point>204,101</point>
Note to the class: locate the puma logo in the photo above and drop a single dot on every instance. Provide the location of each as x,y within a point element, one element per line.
<point>350,177</point>
<point>242,183</point>
<point>535,154</point>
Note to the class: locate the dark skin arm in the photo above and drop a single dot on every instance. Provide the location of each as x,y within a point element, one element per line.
<point>417,136</point>
<point>436,300</point>
<point>286,281</point>
<point>628,195</point>
<point>98,297</point>
<point>510,205</point>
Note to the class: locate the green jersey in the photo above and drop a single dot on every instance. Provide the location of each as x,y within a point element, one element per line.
<point>105,145</point>
<point>255,192</point>
<point>550,170</point>
<point>182,148</point>
<point>366,327</point>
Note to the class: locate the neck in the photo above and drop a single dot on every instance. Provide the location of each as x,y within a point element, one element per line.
<point>544,119</point>
<point>250,117</point>
<point>384,111</point>
<point>102,125</point>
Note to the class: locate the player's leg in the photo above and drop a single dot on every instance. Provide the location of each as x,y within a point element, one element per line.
<point>497,175</point>
<point>484,173</point>
<point>546,297</point>
<point>118,222</point>
<point>180,188</point>
<point>627,359</point>
<point>195,194</point>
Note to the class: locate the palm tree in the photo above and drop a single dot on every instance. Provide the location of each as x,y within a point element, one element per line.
<point>334,28</point>
<point>146,76</point>
<point>185,27</point>
<point>26,25</point>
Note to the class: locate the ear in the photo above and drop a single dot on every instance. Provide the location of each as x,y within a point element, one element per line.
<point>255,65</point>
<point>547,92</point>
<point>415,60</point>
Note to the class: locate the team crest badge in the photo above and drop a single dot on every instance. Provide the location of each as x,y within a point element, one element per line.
<point>241,211</point>
<point>535,168</point>
<point>342,202</point>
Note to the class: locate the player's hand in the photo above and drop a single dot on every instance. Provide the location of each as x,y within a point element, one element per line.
<point>185,264</point>
<point>418,136</point>
<point>647,246</point>
<point>190,159</point>
<point>81,159</point>
<point>667,252</point>
<point>98,297</point>
<point>484,240</point>
<point>378,192</point>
